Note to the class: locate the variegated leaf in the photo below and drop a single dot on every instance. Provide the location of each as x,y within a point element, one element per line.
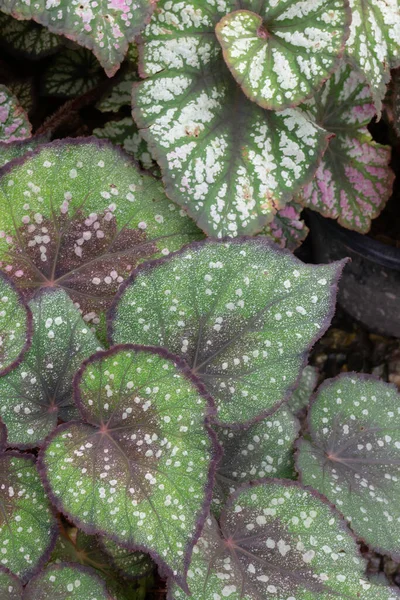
<point>27,38</point>
<point>287,229</point>
<point>14,123</point>
<point>72,73</point>
<point>66,582</point>
<point>301,397</point>
<point>17,149</point>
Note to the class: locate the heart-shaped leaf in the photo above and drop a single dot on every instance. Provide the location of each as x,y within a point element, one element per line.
<point>227,161</point>
<point>14,123</point>
<point>78,214</point>
<point>243,314</point>
<point>283,54</point>
<point>140,469</point>
<point>353,181</point>
<point>353,457</point>
<point>287,229</point>
<point>10,586</point>
<point>27,38</point>
<point>374,42</point>
<point>300,398</point>
<point>38,394</point>
<point>278,540</point>
<point>131,565</point>
<point>15,326</point>
<point>72,73</point>
<point>105,27</point>
<point>66,582</point>
<point>27,526</point>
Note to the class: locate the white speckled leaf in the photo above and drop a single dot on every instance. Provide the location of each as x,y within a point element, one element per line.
<point>140,467</point>
<point>106,26</point>
<point>10,586</point>
<point>14,123</point>
<point>27,38</point>
<point>282,55</point>
<point>66,582</point>
<point>72,73</point>
<point>374,42</point>
<point>353,181</point>
<point>228,162</point>
<point>287,229</point>
<point>353,457</point>
<point>17,149</point>
<point>277,540</point>
<point>243,314</point>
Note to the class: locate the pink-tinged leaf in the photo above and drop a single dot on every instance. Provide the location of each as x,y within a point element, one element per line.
<point>287,229</point>
<point>353,181</point>
<point>14,122</point>
<point>106,26</point>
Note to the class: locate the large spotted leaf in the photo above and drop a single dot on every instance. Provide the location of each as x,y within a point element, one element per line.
<point>353,457</point>
<point>277,540</point>
<point>66,582</point>
<point>27,525</point>
<point>243,314</point>
<point>374,42</point>
<point>15,326</point>
<point>283,52</point>
<point>287,229</point>
<point>106,27</point>
<point>140,468</point>
<point>14,123</point>
<point>38,394</point>
<point>227,161</point>
<point>79,215</point>
<point>353,181</point>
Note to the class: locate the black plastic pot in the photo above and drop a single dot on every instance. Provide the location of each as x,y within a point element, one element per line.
<point>370,287</point>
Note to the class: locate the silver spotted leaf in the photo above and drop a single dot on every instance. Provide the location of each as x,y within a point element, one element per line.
<point>10,586</point>
<point>224,159</point>
<point>287,229</point>
<point>140,467</point>
<point>15,326</point>
<point>14,123</point>
<point>79,215</point>
<point>26,38</point>
<point>72,73</point>
<point>353,456</point>
<point>242,313</point>
<point>131,565</point>
<point>66,581</point>
<point>281,53</point>
<point>301,396</point>
<point>353,181</point>
<point>264,449</point>
<point>106,27</point>
<point>38,394</point>
<point>27,525</point>
<point>277,540</point>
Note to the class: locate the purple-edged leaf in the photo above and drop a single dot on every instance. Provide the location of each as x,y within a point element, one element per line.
<point>106,27</point>
<point>38,394</point>
<point>27,525</point>
<point>262,450</point>
<point>66,582</point>
<point>14,123</point>
<point>277,540</point>
<point>72,73</point>
<point>3,436</point>
<point>281,53</point>
<point>353,457</point>
<point>27,38</point>
<point>353,181</point>
<point>78,215</point>
<point>9,152</point>
<point>140,468</point>
<point>243,314</point>
<point>393,104</point>
<point>131,565</point>
<point>300,398</point>
<point>10,586</point>
<point>287,229</point>
<point>15,326</point>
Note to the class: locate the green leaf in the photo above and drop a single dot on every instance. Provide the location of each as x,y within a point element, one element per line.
<point>278,540</point>
<point>131,565</point>
<point>10,586</point>
<point>72,73</point>
<point>14,123</point>
<point>353,457</point>
<point>66,582</point>
<point>283,54</point>
<point>27,38</point>
<point>243,314</point>
<point>263,450</point>
<point>301,396</point>
<point>78,215</point>
<point>353,181</point>
<point>105,27</point>
<point>287,229</point>
<point>121,90</point>
<point>140,468</point>
<point>374,42</point>
<point>27,525</point>
<point>38,394</point>
<point>75,546</point>
<point>17,149</point>
<point>228,162</point>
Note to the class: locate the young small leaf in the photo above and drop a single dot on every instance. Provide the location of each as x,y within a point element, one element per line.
<point>66,582</point>
<point>353,457</point>
<point>278,540</point>
<point>78,215</point>
<point>242,313</point>
<point>72,73</point>
<point>36,395</point>
<point>27,526</point>
<point>27,38</point>
<point>14,123</point>
<point>140,469</point>
<point>301,396</point>
<point>10,586</point>
<point>131,565</point>
<point>353,181</point>
<point>287,229</point>
<point>283,54</point>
